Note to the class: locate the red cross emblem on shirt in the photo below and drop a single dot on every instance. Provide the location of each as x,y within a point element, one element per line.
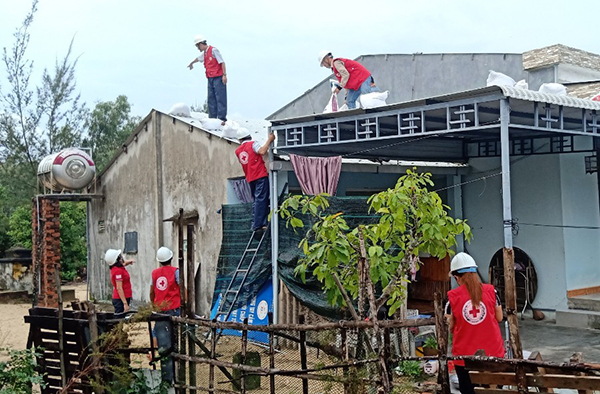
<point>472,314</point>
<point>161,283</point>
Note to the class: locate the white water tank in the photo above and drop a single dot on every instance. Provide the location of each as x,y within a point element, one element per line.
<point>69,169</point>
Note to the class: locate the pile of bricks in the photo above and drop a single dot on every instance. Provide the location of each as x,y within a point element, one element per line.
<point>46,249</point>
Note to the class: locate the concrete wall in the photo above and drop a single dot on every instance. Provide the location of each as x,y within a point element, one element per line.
<point>147,185</point>
<point>580,208</point>
<point>15,276</point>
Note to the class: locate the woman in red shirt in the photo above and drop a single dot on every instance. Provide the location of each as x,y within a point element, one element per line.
<point>121,298</point>
<point>474,312</point>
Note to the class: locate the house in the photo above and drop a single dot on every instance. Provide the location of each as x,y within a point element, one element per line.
<point>167,164</point>
<point>530,177</point>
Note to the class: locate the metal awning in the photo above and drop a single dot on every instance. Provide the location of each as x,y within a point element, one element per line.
<point>453,127</point>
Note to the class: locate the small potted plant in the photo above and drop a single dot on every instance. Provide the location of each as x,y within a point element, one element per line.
<point>430,346</point>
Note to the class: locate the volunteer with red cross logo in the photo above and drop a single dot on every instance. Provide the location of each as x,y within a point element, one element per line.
<point>474,312</point>
<point>164,290</point>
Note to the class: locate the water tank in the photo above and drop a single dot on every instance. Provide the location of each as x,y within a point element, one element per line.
<point>70,169</point>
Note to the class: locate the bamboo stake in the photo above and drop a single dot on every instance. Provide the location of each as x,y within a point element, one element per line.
<point>211,367</point>
<point>244,346</point>
<point>271,354</point>
<point>93,324</point>
<point>344,336</point>
<point>442,340</point>
<point>61,331</point>
<point>511,301</point>
<point>303,362</point>
<point>191,297</point>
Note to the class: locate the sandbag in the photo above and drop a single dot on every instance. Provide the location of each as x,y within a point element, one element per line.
<point>180,109</point>
<point>522,84</point>
<point>498,79</point>
<point>553,88</point>
<point>211,124</point>
<point>230,130</point>
<point>373,99</point>
<point>332,105</point>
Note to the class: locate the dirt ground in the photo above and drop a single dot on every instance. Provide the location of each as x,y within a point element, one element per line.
<point>14,330</point>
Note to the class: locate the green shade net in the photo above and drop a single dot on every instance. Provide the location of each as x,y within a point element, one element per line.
<point>236,233</point>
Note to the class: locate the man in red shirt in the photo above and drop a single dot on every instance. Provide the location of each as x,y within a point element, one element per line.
<point>216,73</point>
<point>164,290</point>
<point>352,76</point>
<point>250,154</point>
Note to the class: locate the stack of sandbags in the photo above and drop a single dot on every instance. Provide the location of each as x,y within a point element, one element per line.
<point>553,88</point>
<point>372,100</point>
<point>498,79</point>
<point>211,124</point>
<point>180,109</point>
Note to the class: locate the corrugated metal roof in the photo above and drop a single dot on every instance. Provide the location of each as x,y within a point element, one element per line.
<point>567,101</point>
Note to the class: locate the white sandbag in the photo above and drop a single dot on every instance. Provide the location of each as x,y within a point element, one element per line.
<point>180,109</point>
<point>498,79</point>
<point>554,88</point>
<point>332,105</point>
<point>372,100</point>
<point>522,84</point>
<point>199,115</point>
<point>230,130</point>
<point>211,124</point>
<point>343,107</point>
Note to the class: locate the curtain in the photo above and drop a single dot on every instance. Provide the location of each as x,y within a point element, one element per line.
<point>242,190</point>
<point>317,174</point>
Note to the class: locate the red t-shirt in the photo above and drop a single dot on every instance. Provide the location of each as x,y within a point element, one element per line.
<point>120,274</point>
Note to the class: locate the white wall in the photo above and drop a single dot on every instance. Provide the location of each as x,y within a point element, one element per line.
<point>580,208</point>
<point>536,198</point>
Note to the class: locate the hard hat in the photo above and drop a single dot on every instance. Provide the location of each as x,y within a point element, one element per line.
<point>198,39</point>
<point>243,134</point>
<point>164,254</point>
<point>322,55</point>
<point>462,263</point>
<point>111,256</point>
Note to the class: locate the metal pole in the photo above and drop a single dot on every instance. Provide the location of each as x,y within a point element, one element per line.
<point>509,262</point>
<point>274,234</point>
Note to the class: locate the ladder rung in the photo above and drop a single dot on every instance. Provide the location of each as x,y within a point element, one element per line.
<point>233,291</point>
<point>243,270</point>
<point>252,250</point>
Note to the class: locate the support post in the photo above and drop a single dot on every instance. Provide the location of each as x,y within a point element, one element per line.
<point>191,293</point>
<point>182,293</point>
<point>442,340</point>
<point>271,355</point>
<point>61,330</point>
<point>274,233</point>
<point>508,253</point>
<point>93,324</point>
<point>303,361</point>
<point>243,354</point>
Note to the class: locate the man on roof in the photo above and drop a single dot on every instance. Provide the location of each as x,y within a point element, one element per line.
<point>352,75</point>
<point>216,74</point>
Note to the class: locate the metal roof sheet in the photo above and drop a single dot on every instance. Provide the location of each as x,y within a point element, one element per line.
<point>530,95</point>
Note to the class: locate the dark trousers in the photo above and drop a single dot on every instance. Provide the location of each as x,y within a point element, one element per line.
<point>260,191</point>
<point>464,381</point>
<point>217,98</point>
<point>119,306</point>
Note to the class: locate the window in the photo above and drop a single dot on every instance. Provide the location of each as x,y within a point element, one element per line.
<point>131,242</point>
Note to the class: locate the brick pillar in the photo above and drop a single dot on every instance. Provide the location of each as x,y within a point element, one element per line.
<point>46,250</point>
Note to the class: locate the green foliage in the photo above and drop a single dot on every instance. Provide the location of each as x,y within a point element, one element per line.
<point>412,220</point>
<point>109,125</point>
<point>5,210</point>
<point>411,369</point>
<point>73,246</point>
<point>431,342</point>
<point>20,227</point>
<point>19,372</point>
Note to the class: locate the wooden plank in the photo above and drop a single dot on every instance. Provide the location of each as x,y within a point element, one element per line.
<point>541,370</point>
<point>584,291</point>
<point>493,378</point>
<point>565,382</point>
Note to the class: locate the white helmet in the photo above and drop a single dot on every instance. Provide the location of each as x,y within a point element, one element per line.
<point>111,256</point>
<point>243,133</point>
<point>462,263</point>
<point>198,39</point>
<point>322,55</point>
<point>164,254</point>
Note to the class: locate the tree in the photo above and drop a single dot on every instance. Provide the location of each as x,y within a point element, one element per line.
<point>109,125</point>
<point>371,263</point>
<point>73,245</point>
<point>35,121</point>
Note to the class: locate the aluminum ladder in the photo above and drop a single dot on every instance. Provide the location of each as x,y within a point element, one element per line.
<point>243,268</point>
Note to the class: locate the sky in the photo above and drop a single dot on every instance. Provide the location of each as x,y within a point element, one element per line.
<point>141,48</point>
